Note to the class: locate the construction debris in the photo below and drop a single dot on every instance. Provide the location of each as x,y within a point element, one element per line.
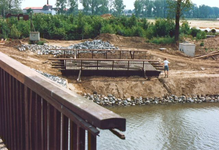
<point>211,54</point>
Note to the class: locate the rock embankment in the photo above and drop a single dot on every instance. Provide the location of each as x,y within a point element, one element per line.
<point>56,79</point>
<point>110,100</point>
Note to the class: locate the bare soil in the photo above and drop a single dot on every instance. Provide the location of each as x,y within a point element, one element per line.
<point>188,76</point>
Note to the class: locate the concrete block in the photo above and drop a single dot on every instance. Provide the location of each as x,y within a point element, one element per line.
<point>187,48</point>
<point>34,36</point>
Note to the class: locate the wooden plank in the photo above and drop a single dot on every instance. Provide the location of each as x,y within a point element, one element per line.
<point>92,142</point>
<point>73,136</point>
<point>81,139</point>
<point>26,102</point>
<point>14,123</point>
<point>22,115</point>
<point>101,59</point>
<point>2,114</point>
<point>64,136</point>
<point>10,123</point>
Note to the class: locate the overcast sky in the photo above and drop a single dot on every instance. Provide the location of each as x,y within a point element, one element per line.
<point>129,3</point>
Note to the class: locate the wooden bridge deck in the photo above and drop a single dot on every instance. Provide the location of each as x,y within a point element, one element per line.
<point>93,66</point>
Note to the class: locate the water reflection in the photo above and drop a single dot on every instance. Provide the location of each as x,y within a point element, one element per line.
<point>166,127</point>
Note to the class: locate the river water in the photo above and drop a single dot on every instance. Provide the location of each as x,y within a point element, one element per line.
<point>166,127</point>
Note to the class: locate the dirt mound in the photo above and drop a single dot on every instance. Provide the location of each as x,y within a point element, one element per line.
<point>126,42</point>
<point>106,16</point>
<point>13,43</point>
<point>211,43</point>
<point>109,37</point>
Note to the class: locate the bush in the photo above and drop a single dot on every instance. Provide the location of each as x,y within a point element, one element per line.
<point>4,29</point>
<point>107,29</point>
<point>201,35</point>
<point>185,28</point>
<point>163,28</point>
<point>162,40</point>
<point>24,28</point>
<point>15,34</point>
<point>138,31</point>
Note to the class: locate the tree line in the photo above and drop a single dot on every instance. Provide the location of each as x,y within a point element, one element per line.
<point>159,9</point>
<point>80,26</point>
<point>142,8</point>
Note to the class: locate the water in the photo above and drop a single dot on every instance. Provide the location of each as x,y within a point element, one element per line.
<point>166,127</point>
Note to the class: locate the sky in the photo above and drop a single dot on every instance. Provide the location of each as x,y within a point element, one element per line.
<point>129,3</point>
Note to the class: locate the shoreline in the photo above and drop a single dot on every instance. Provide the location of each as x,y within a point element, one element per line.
<point>110,100</point>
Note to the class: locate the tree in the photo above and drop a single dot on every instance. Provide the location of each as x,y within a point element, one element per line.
<point>95,7</point>
<point>138,7</point>
<point>73,6</point>
<point>61,6</point>
<point>118,7</point>
<point>10,6</point>
<point>177,7</point>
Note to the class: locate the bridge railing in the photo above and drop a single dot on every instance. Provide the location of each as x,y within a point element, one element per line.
<point>36,113</point>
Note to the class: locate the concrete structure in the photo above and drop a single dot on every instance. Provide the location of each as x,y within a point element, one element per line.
<point>187,48</point>
<point>34,36</point>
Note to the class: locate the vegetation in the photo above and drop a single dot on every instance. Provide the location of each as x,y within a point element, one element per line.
<point>80,26</point>
<point>176,8</point>
<point>9,6</point>
<point>159,9</point>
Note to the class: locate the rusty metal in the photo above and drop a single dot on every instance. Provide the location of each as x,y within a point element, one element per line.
<point>25,17</point>
<point>35,113</point>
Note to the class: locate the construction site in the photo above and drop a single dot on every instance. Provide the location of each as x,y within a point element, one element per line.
<point>134,69</point>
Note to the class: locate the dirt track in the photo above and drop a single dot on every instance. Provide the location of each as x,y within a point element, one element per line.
<point>188,76</point>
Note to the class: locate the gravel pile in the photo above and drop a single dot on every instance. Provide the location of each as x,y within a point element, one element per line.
<point>58,80</point>
<point>111,100</point>
<point>96,44</point>
<point>47,49</point>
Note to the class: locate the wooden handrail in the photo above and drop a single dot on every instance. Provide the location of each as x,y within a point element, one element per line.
<point>34,109</point>
<point>103,59</point>
<point>47,89</point>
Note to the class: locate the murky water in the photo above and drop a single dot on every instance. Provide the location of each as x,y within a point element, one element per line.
<point>169,127</point>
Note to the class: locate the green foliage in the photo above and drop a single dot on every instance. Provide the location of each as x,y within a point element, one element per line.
<point>24,28</point>
<point>41,42</point>
<point>118,7</point>
<point>107,29</point>
<point>138,31</point>
<point>14,33</point>
<point>80,26</point>
<point>4,29</point>
<point>163,28</point>
<point>202,44</point>
<point>201,35</point>
<point>185,28</point>
<point>162,40</point>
